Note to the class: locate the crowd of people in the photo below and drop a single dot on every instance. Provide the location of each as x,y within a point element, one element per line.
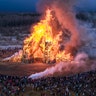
<point>82,84</point>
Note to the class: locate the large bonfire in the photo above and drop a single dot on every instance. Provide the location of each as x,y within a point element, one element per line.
<point>45,43</point>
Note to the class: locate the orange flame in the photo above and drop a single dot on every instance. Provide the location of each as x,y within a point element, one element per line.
<point>42,43</point>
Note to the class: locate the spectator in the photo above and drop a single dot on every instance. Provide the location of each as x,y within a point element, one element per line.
<point>82,84</point>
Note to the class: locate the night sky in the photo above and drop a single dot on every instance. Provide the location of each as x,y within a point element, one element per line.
<point>18,5</point>
<point>30,5</point>
<point>87,5</point>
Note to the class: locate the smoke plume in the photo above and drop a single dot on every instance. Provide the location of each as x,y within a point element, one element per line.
<point>65,13</point>
<point>79,64</point>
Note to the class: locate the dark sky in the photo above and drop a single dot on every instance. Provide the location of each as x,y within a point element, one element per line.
<point>18,5</point>
<point>30,5</point>
<point>86,5</point>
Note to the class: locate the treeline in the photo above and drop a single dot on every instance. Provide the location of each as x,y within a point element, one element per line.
<point>86,16</point>
<point>11,20</point>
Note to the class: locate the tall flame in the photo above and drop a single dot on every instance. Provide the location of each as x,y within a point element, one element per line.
<point>42,43</point>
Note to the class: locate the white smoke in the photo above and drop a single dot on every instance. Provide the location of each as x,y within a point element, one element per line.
<point>81,58</point>
<point>15,57</point>
<point>79,64</point>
